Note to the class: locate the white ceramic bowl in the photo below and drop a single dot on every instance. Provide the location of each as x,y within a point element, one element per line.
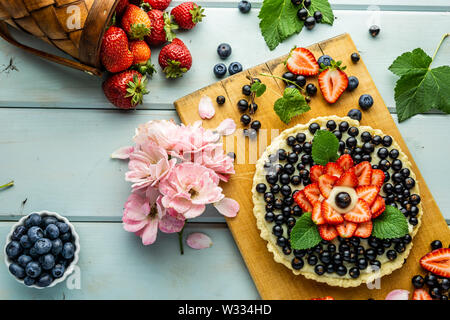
<point>76,240</point>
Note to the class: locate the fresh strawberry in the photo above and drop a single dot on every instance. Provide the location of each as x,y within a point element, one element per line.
<point>136,22</point>
<point>377,178</point>
<point>158,4</point>
<point>114,52</point>
<point>348,179</point>
<point>324,298</point>
<point>333,169</point>
<point>121,6</point>
<point>333,81</point>
<point>327,232</point>
<point>330,215</point>
<point>125,90</point>
<point>302,201</point>
<point>345,162</point>
<point>364,230</point>
<point>377,207</point>
<point>421,294</point>
<point>437,262</point>
<point>368,193</point>
<point>326,183</point>
<point>175,59</point>
<point>346,229</point>
<point>141,52</point>
<point>360,213</point>
<point>316,171</point>
<point>316,215</point>
<point>187,14</point>
<point>312,193</point>
<point>363,171</point>
<point>302,61</point>
<point>162,28</point>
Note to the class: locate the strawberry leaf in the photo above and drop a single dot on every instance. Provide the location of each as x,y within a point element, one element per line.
<point>390,224</point>
<point>304,234</point>
<point>292,104</point>
<point>325,147</point>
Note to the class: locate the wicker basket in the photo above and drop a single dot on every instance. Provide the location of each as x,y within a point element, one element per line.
<point>73,26</point>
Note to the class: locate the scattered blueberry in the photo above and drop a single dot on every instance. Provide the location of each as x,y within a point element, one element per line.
<point>355,114</point>
<point>33,269</point>
<point>43,246</point>
<point>47,261</point>
<point>23,260</point>
<point>374,30</point>
<point>17,270</point>
<point>44,280</point>
<point>35,233</point>
<point>224,50</point>
<point>244,6</point>
<point>13,249</point>
<point>220,70</point>
<point>58,271</point>
<point>68,250</point>
<point>18,233</point>
<point>234,68</point>
<point>325,60</point>
<point>353,83</point>
<point>355,57</point>
<point>365,101</point>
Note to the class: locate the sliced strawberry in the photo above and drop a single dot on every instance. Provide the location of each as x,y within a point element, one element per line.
<point>437,262</point>
<point>326,183</point>
<point>302,201</point>
<point>316,171</point>
<point>302,61</point>
<point>364,230</point>
<point>312,193</point>
<point>345,162</point>
<point>377,207</point>
<point>346,229</point>
<point>377,178</point>
<point>421,294</point>
<point>330,215</point>
<point>324,298</point>
<point>333,169</point>
<point>363,171</point>
<point>332,83</point>
<point>327,232</point>
<point>368,193</point>
<point>360,213</point>
<point>316,215</point>
<point>348,179</point>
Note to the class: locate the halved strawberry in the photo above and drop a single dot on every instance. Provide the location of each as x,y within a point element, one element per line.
<point>360,213</point>
<point>326,184</point>
<point>437,262</point>
<point>421,294</point>
<point>377,178</point>
<point>377,207</point>
<point>363,171</point>
<point>302,201</point>
<point>333,169</point>
<point>330,215</point>
<point>346,229</point>
<point>332,82</point>
<point>316,171</point>
<point>345,161</point>
<point>348,179</point>
<point>324,298</point>
<point>316,215</point>
<point>312,193</point>
<point>364,230</point>
<point>302,61</point>
<point>327,232</point>
<point>368,193</point>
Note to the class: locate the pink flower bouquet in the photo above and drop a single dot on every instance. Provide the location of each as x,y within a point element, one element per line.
<point>175,171</point>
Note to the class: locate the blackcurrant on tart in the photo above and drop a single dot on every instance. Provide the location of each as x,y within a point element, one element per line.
<point>337,202</point>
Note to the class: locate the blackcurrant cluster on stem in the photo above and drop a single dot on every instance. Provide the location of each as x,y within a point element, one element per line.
<point>305,15</point>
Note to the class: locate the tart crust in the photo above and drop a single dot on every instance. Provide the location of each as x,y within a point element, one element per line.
<point>387,267</point>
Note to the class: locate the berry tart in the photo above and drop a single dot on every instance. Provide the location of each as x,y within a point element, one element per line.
<point>336,201</point>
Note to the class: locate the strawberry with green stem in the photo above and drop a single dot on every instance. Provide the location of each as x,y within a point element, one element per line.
<point>187,15</point>
<point>136,22</point>
<point>175,59</point>
<point>114,52</point>
<point>162,28</point>
<point>125,90</point>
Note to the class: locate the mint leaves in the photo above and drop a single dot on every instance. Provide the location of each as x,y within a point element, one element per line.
<point>292,104</point>
<point>390,224</point>
<point>420,88</point>
<point>258,88</point>
<point>278,19</point>
<point>304,234</point>
<point>325,147</point>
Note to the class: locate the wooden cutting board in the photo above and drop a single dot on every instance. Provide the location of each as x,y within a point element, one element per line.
<point>273,280</point>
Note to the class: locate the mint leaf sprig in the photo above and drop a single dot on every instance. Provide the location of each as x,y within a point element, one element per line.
<point>325,147</point>
<point>390,224</point>
<point>304,234</point>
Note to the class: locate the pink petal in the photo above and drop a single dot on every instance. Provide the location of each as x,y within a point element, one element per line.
<point>195,211</point>
<point>122,153</point>
<point>398,294</point>
<point>149,233</point>
<point>226,127</point>
<point>228,207</point>
<point>170,224</point>
<point>198,241</point>
<point>206,108</point>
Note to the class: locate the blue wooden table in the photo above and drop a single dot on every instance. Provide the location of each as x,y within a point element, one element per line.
<point>57,132</point>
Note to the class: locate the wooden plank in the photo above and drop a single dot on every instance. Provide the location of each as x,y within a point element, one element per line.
<point>273,280</point>
<point>125,269</point>
<point>43,84</point>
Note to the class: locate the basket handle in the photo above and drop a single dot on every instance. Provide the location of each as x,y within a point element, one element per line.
<point>4,33</point>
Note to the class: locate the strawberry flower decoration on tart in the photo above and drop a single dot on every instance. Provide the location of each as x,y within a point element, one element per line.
<point>337,202</point>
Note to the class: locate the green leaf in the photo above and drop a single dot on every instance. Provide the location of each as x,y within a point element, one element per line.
<point>258,88</point>
<point>416,61</point>
<point>390,224</point>
<point>304,234</point>
<point>325,147</point>
<point>292,104</point>
<point>324,7</point>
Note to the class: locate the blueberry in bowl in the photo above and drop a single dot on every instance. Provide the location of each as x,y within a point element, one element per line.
<point>42,249</point>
